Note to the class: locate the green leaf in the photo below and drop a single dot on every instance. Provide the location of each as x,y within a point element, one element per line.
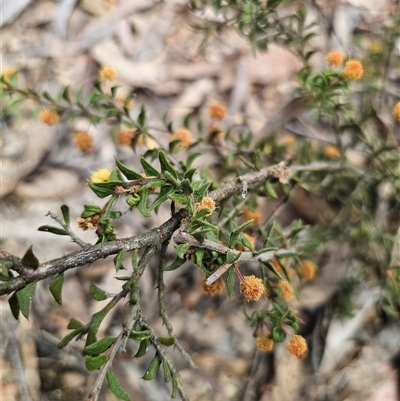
<point>66,215</point>
<point>143,348</point>
<point>247,163</point>
<point>174,385</point>
<point>95,322</point>
<point>30,259</point>
<point>230,281</point>
<point>95,362</point>
<point>232,257</point>
<point>119,258</point>
<point>103,189</point>
<point>56,288</point>
<point>192,158</point>
<point>25,296</point>
<point>172,179</point>
<point>142,116</point>
<point>161,197</point>
<point>166,371</point>
<point>66,97</point>
<point>142,205</point>
<point>149,170</point>
<point>189,174</point>
<point>166,165</point>
<point>99,346</point>
<point>198,194</point>
<point>14,305</point>
<point>178,262</point>
<point>181,249</point>
<point>90,210</point>
<point>66,340</point>
<point>74,324</point>
<point>115,387</point>
<point>140,335</point>
<point>270,190</point>
<point>127,172</point>
<point>167,341</point>
<point>236,233</point>
<point>178,198</point>
<point>278,335</point>
<point>152,370</point>
<point>53,230</point>
<point>97,293</point>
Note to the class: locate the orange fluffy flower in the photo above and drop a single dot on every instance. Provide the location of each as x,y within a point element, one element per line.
<point>353,70</point>
<point>107,73</point>
<point>396,111</point>
<point>252,288</point>
<point>215,288</point>
<point>264,343</point>
<point>83,141</point>
<point>49,117</point>
<point>217,111</point>
<point>184,136</point>
<point>297,346</point>
<point>334,58</point>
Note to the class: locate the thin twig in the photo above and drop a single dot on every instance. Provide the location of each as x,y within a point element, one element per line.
<point>68,229</point>
<point>161,305</point>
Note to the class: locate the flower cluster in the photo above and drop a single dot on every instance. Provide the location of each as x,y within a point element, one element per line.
<point>206,203</point>
<point>297,346</point>
<point>217,111</point>
<point>83,141</point>
<point>88,223</point>
<point>353,70</point>
<point>184,136</point>
<point>265,343</point>
<point>334,58</point>
<point>107,74</point>
<point>49,117</point>
<point>102,175</point>
<point>215,288</point>
<point>252,287</point>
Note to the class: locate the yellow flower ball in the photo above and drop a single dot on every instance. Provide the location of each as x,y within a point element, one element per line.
<point>332,152</point>
<point>334,58</point>
<point>215,288</point>
<point>206,203</point>
<point>107,73</point>
<point>265,343</point>
<point>102,175</point>
<point>185,137</point>
<point>297,346</point>
<point>217,111</point>
<point>396,111</point>
<point>353,70</point>
<point>49,117</point>
<point>83,141</point>
<point>252,288</point>
<point>307,269</point>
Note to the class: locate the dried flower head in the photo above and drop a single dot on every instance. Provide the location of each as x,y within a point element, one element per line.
<point>396,111</point>
<point>215,288</point>
<point>251,215</point>
<point>307,269</point>
<point>332,152</point>
<point>102,175</point>
<point>83,141</point>
<point>49,117</point>
<point>281,172</point>
<point>353,70</point>
<point>8,72</point>
<point>124,137</point>
<point>287,291</point>
<point>88,223</point>
<point>265,343</point>
<point>297,346</point>
<point>217,111</point>
<point>107,73</point>
<point>334,58</point>
<point>185,137</point>
<point>252,288</point>
<point>206,203</point>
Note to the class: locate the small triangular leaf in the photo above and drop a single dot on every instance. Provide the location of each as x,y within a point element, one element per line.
<point>56,288</point>
<point>30,259</point>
